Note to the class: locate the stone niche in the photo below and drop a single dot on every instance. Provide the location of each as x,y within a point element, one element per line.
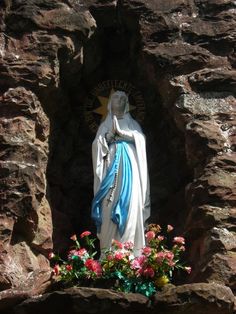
<point>179,55</point>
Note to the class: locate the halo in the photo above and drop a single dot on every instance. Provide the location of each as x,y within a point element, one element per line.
<point>95,109</point>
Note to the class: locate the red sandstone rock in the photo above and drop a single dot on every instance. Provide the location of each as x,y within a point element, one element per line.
<point>194,298</point>
<point>26,226</point>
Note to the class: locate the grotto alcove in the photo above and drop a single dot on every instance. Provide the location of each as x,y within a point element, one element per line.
<point>112,59</point>
<point>179,55</point>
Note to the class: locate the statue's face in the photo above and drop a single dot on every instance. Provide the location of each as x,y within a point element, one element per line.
<point>118,106</point>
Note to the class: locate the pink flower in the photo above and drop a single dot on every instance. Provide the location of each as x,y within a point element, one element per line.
<point>94,266</point>
<point>85,234</point>
<point>171,263</point>
<point>160,256</point>
<point>188,269</point>
<point>56,269</point>
<point>72,253</point>
<point>118,256</point>
<point>51,255</point>
<point>179,240</point>
<point>81,252</point>
<point>135,264</point>
<point>148,272</point>
<point>160,238</point>
<point>150,235</point>
<point>69,267</point>
<point>110,257</point>
<point>141,259</point>
<point>138,262</point>
<point>128,245</point>
<point>169,228</point>
<point>169,255</point>
<point>147,250</point>
<point>182,248</point>
<point>117,244</point>
<point>74,237</point>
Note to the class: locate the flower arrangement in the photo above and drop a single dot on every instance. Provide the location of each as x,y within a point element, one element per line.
<point>145,272</point>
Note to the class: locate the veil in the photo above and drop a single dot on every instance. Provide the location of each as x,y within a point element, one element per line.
<point>128,122</point>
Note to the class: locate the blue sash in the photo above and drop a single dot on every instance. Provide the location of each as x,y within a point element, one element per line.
<point>120,208</point>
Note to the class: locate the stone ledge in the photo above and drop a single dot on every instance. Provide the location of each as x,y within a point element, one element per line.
<point>197,298</point>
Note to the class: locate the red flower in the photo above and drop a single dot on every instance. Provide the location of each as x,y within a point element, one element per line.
<point>109,257</point>
<point>89,263</point>
<point>148,272</point>
<point>146,250</point>
<point>69,267</point>
<point>160,238</point>
<point>117,244</point>
<point>179,240</point>
<point>85,234</point>
<point>74,237</point>
<point>94,266</point>
<point>56,269</point>
<point>118,256</point>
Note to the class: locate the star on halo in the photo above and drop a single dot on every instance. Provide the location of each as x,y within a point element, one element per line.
<point>102,110</point>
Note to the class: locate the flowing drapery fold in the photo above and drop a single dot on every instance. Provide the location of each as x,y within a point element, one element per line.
<point>120,207</point>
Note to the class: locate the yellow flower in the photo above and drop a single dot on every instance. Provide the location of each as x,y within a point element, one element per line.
<point>161,281</point>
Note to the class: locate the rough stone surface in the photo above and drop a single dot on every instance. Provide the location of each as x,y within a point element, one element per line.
<point>180,55</point>
<point>193,298</point>
<point>34,36</point>
<point>26,226</point>
<point>82,300</point>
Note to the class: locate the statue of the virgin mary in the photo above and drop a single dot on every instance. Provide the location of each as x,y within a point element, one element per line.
<point>121,203</point>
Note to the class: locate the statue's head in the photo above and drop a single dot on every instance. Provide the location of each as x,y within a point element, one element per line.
<point>118,104</point>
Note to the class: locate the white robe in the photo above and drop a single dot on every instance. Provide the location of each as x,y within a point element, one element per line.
<point>139,207</point>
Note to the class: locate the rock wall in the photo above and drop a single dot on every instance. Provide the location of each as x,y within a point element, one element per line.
<point>181,55</point>
<point>34,35</point>
<point>26,226</point>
